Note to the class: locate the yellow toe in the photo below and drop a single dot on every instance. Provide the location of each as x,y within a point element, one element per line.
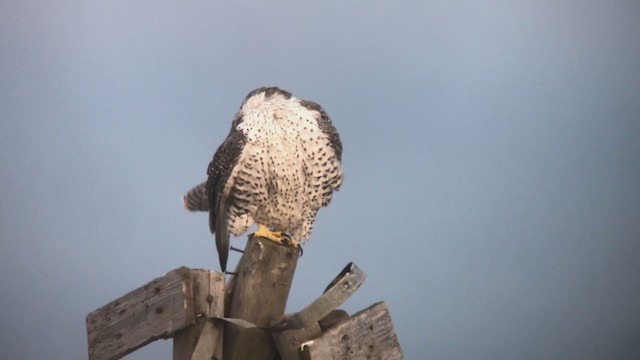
<point>279,237</point>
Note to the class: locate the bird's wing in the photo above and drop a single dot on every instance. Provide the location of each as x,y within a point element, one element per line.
<point>332,173</point>
<point>219,171</point>
<point>326,126</point>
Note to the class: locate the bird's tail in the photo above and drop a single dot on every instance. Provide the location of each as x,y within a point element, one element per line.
<point>196,198</point>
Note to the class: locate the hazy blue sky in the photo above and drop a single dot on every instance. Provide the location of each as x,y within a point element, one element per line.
<point>491,152</point>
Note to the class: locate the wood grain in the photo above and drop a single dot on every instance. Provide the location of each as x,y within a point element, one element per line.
<point>369,334</point>
<point>258,293</point>
<point>203,340</point>
<point>154,311</point>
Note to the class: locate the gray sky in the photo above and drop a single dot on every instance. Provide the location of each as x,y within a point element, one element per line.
<point>492,148</point>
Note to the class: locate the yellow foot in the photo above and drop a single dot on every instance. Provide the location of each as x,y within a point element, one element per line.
<point>279,237</point>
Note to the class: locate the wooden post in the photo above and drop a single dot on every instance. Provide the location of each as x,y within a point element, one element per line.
<point>203,340</point>
<point>258,293</point>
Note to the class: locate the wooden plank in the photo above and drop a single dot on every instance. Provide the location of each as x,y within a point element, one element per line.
<point>333,318</point>
<point>200,341</point>
<point>154,311</point>
<point>369,334</point>
<point>289,342</point>
<point>203,340</point>
<point>298,328</point>
<point>258,293</point>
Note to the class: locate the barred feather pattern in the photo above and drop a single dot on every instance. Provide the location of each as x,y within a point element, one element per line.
<point>279,165</point>
<point>288,168</point>
<point>196,199</point>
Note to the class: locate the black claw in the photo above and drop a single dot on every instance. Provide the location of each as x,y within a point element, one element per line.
<point>288,240</point>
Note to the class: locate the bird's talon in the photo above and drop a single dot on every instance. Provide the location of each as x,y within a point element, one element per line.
<point>276,236</point>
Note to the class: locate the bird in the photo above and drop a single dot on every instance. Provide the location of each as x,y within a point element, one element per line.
<point>279,164</point>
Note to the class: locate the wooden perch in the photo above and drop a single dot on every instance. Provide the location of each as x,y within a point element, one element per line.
<point>246,319</point>
<point>157,310</point>
<point>258,293</point>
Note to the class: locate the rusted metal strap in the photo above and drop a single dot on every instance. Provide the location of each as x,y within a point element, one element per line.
<point>339,290</point>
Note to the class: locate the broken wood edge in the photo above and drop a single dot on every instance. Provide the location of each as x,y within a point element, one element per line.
<point>153,311</point>
<point>157,310</point>
<point>367,334</point>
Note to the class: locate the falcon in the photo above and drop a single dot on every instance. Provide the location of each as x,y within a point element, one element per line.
<point>277,167</point>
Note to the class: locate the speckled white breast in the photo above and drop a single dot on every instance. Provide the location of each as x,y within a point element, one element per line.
<point>282,173</point>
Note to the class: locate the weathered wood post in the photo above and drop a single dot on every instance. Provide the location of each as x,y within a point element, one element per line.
<point>369,334</point>
<point>194,307</point>
<point>258,293</point>
<point>203,340</point>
